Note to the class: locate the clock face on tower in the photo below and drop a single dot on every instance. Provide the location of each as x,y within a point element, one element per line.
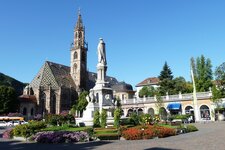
<point>107,96</point>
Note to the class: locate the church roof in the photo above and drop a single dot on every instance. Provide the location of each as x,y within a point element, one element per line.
<point>54,75</point>
<point>58,75</point>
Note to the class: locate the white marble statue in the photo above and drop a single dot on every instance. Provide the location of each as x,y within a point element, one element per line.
<point>101,52</point>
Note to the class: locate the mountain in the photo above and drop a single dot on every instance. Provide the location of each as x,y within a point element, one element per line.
<point>9,81</point>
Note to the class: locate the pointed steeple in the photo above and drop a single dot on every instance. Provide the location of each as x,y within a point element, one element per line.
<point>79,24</point>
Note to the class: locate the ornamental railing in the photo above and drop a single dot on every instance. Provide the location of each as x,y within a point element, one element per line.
<point>167,98</point>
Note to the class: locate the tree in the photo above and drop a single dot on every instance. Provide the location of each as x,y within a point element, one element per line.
<point>8,100</point>
<point>202,69</point>
<point>159,103</point>
<point>166,80</point>
<point>103,118</point>
<point>216,96</point>
<point>147,91</point>
<point>117,115</point>
<point>96,120</point>
<point>220,79</point>
<point>82,102</point>
<point>180,85</point>
<point>118,103</point>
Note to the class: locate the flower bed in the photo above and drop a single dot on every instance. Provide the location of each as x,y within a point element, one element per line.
<point>7,134</point>
<point>147,132</point>
<point>60,137</point>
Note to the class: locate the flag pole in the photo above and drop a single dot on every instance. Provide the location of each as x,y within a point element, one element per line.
<point>196,110</point>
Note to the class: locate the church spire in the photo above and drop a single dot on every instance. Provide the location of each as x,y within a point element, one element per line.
<point>78,57</point>
<point>79,24</point>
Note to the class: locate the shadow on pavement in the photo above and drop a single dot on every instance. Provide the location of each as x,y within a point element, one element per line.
<point>17,145</point>
<point>160,148</point>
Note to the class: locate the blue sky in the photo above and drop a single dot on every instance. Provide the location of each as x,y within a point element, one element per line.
<point>139,35</point>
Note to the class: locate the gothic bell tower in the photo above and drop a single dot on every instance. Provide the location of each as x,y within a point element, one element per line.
<point>78,54</point>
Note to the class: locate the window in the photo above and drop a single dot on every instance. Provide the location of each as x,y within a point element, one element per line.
<point>24,111</point>
<point>75,55</point>
<point>75,68</point>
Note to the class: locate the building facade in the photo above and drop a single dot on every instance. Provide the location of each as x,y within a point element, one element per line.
<point>171,105</point>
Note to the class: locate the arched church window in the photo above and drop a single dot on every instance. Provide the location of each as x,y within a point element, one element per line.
<point>43,103</point>
<point>75,68</point>
<point>24,111</point>
<point>53,104</point>
<point>75,55</point>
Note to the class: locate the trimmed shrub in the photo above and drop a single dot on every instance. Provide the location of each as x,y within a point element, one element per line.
<point>103,118</point>
<point>132,134</point>
<point>52,119</point>
<point>162,132</point>
<point>134,119</point>
<point>29,129</point>
<point>148,133</point>
<point>191,128</point>
<point>125,121</point>
<point>96,120</point>
<point>117,115</point>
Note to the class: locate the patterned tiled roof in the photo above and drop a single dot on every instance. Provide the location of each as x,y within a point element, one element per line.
<point>58,75</point>
<point>53,74</point>
<point>149,81</point>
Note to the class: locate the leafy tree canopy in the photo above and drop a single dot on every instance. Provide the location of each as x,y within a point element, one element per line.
<point>82,101</point>
<point>147,91</point>
<point>220,79</point>
<point>8,100</point>
<point>180,85</point>
<point>203,75</point>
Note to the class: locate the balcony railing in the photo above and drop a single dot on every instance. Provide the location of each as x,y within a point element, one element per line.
<point>178,97</point>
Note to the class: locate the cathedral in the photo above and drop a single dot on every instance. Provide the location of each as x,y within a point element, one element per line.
<point>56,87</point>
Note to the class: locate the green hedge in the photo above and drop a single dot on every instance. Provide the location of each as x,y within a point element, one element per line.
<point>26,130</point>
<point>108,136</point>
<point>191,128</point>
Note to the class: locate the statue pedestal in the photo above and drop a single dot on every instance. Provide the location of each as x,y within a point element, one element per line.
<point>88,114</point>
<point>102,94</point>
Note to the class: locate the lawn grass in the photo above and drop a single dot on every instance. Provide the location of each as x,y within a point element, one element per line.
<point>65,128</point>
<point>104,131</point>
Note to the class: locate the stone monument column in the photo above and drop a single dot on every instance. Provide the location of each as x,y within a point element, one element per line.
<point>101,95</point>
<point>102,64</point>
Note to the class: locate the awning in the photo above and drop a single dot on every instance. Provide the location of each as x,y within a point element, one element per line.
<point>174,106</point>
